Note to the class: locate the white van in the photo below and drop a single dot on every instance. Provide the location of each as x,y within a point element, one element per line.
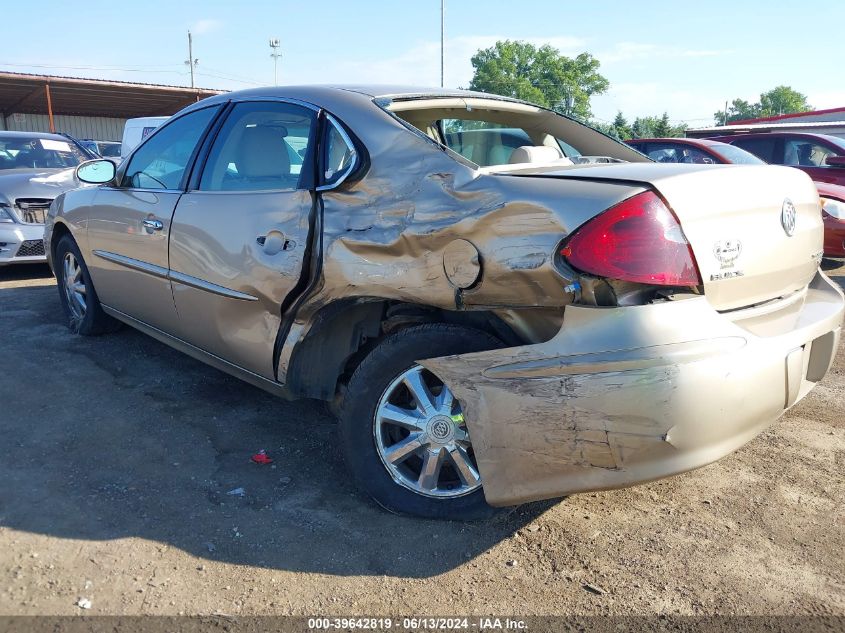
<point>136,130</point>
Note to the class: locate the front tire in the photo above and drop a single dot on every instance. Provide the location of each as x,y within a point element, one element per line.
<point>79,300</point>
<point>403,433</point>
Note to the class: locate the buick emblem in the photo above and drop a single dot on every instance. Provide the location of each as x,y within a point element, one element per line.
<point>727,252</point>
<point>787,217</point>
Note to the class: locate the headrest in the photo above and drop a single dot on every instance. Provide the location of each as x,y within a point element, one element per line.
<point>535,154</point>
<point>262,153</point>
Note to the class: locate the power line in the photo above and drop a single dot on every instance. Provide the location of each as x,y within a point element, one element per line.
<point>152,69</point>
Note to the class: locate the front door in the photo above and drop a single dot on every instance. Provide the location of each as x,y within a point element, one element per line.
<point>129,225</point>
<point>238,239</point>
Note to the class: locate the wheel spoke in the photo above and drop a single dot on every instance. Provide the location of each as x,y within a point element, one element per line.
<point>419,391</point>
<point>79,288</point>
<point>430,473</point>
<point>406,418</point>
<point>77,272</point>
<point>402,450</point>
<point>463,464</point>
<point>445,400</point>
<point>80,300</point>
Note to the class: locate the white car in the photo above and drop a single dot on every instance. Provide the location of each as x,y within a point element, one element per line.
<point>34,169</point>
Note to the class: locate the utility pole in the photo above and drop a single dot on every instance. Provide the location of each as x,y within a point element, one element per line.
<point>442,37</point>
<point>725,122</point>
<point>191,62</point>
<point>275,45</point>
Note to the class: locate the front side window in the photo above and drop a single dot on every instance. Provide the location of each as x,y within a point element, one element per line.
<point>263,145</point>
<point>160,163</point>
<point>805,153</point>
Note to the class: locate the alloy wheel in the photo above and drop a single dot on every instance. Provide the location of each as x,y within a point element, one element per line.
<point>422,438</point>
<point>74,286</point>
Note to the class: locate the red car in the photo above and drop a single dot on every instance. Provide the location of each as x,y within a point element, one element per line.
<point>833,213</point>
<point>699,150</point>
<point>692,150</point>
<point>822,156</point>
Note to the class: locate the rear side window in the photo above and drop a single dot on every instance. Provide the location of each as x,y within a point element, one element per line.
<point>263,145</point>
<point>160,163</point>
<point>805,153</point>
<point>763,148</point>
<point>339,155</point>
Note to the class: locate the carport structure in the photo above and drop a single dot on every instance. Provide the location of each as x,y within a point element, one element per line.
<point>44,99</point>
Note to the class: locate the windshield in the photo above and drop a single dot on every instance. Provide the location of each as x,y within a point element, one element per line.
<point>24,152</point>
<point>737,155</point>
<point>835,140</point>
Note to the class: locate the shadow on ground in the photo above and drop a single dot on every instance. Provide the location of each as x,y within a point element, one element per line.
<point>121,436</point>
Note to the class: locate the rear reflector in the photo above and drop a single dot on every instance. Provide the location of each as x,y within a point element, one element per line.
<point>637,240</point>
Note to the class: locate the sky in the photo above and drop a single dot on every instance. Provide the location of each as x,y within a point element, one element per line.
<point>683,58</point>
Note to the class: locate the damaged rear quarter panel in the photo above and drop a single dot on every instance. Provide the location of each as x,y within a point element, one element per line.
<point>619,396</point>
<point>384,236</point>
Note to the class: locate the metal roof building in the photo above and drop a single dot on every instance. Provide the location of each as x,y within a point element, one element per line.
<point>830,121</point>
<point>85,108</point>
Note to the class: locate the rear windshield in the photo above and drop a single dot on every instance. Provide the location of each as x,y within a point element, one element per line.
<point>491,133</point>
<point>738,156</point>
<point>39,153</point>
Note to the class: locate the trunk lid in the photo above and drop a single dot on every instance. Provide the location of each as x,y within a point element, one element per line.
<point>738,220</point>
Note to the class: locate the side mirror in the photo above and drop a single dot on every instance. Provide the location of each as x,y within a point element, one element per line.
<point>96,172</point>
<point>835,161</point>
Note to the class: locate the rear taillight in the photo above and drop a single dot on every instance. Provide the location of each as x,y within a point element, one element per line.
<point>637,240</point>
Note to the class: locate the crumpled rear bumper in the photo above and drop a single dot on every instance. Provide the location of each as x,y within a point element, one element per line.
<point>622,396</point>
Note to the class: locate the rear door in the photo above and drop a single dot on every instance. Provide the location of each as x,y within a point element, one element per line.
<point>769,148</point>
<point>129,225</point>
<point>239,235</point>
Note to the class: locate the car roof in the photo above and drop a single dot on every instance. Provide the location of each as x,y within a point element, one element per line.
<point>328,93</point>
<point>672,139</point>
<point>44,135</point>
<point>776,133</point>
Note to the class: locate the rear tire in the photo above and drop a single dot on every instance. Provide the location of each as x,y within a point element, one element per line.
<point>79,300</point>
<point>423,465</point>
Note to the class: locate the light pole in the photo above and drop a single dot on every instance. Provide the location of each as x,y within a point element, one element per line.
<point>275,44</point>
<point>191,62</point>
<point>442,37</point>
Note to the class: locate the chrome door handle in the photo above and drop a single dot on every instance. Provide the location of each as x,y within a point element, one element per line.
<point>153,225</point>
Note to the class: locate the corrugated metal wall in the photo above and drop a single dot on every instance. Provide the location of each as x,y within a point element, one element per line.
<point>97,128</point>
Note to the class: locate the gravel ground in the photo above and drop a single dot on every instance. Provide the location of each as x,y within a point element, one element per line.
<point>118,454</point>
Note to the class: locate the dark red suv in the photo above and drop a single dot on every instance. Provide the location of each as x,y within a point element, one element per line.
<point>820,155</point>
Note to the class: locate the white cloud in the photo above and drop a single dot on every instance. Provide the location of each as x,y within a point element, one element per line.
<point>204,26</point>
<point>636,51</point>
<point>420,64</point>
<point>826,99</point>
<point>651,99</point>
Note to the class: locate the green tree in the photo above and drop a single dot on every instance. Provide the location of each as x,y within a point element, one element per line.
<point>656,127</point>
<point>779,100</point>
<point>621,129</point>
<point>783,100</point>
<point>540,75</point>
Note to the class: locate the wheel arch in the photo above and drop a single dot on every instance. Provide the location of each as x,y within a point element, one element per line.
<point>343,332</point>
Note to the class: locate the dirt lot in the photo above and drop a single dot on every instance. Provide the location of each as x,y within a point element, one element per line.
<point>117,454</point>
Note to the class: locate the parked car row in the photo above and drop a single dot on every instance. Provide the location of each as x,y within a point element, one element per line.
<point>36,167</point>
<point>502,304</point>
<point>820,156</point>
